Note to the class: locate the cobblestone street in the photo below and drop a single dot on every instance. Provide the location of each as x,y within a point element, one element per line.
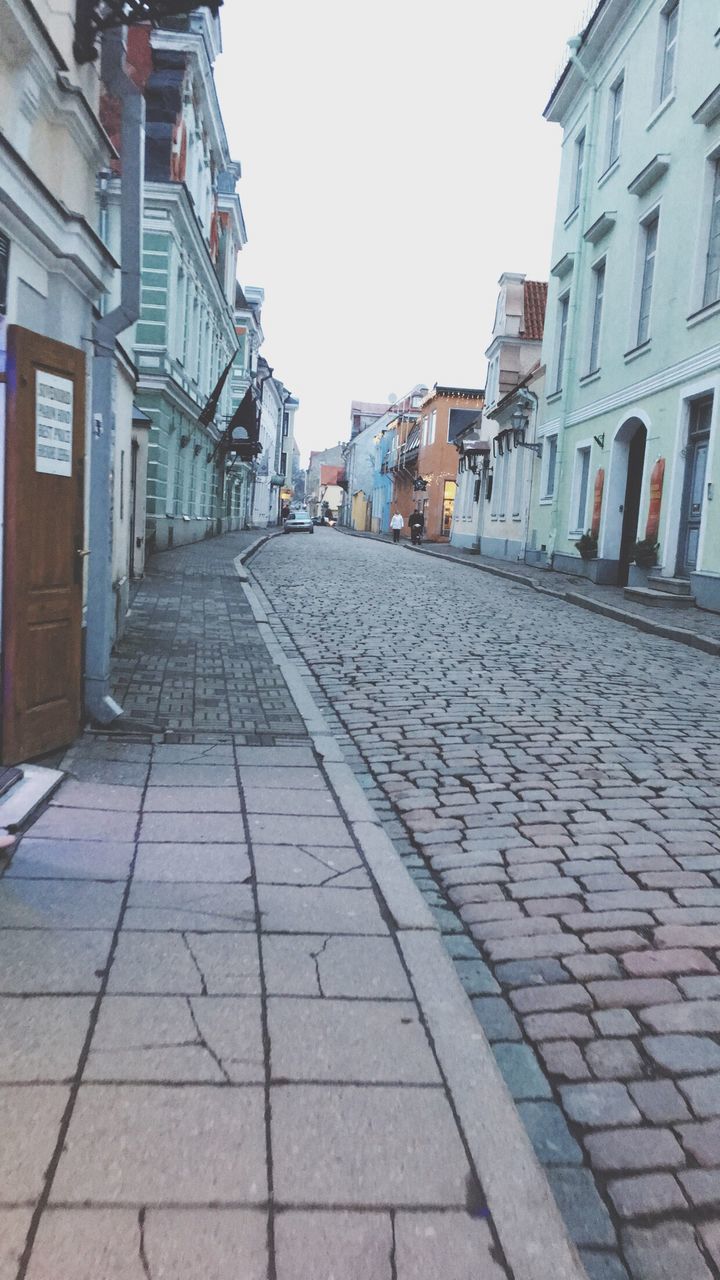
<point>552,779</point>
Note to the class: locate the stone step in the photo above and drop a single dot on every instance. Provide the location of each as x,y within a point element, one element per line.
<point>34,786</point>
<point>643,595</point>
<point>672,586</point>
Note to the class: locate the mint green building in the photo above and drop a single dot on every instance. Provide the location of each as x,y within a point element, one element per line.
<point>185,338</point>
<point>629,414</point>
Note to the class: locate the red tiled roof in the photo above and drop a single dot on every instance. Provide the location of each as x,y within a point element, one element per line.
<point>534,300</point>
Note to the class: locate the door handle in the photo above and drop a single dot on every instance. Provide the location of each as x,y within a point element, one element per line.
<point>82,552</point>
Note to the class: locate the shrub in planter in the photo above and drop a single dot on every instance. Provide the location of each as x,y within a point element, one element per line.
<point>587,545</point>
<point>645,553</point>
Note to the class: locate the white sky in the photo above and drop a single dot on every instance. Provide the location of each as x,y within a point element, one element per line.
<point>395,162</point>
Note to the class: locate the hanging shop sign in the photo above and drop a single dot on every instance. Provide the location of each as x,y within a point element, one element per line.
<point>657,476</point>
<point>53,424</point>
<point>597,502</point>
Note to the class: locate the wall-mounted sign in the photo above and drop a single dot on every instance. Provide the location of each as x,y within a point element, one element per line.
<point>597,502</point>
<point>53,424</point>
<point>657,476</point>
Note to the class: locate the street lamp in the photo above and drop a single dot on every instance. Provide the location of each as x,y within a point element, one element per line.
<point>520,422</point>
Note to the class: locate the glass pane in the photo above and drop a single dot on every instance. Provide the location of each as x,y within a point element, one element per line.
<point>698,480</point>
<point>582,496</point>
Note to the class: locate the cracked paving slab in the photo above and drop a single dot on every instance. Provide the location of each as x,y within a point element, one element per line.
<point>220,963</point>
<point>177,1039</point>
<point>350,967</point>
<point>154,1244</point>
<point>306,865</point>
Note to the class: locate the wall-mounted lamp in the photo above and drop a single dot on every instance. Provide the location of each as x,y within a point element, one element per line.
<point>184,442</point>
<point>600,441</point>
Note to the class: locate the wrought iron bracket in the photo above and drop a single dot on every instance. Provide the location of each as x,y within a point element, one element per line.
<point>92,17</point>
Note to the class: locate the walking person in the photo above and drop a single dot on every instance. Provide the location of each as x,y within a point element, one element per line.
<point>416,525</point>
<point>396,524</point>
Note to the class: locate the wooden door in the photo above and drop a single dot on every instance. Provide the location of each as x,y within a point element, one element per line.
<point>42,568</point>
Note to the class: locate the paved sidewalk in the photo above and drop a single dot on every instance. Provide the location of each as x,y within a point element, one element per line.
<point>233,1048</point>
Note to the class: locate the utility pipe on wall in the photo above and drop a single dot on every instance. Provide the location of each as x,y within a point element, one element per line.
<point>99,703</point>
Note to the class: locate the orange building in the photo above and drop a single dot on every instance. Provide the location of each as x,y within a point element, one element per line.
<point>444,412</point>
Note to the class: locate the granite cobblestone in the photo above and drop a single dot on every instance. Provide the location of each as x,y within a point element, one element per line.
<point>588,812</point>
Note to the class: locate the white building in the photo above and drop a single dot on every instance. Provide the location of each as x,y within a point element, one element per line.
<point>495,475</point>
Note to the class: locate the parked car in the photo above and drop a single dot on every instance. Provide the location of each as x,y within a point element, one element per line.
<point>298,522</point>
<point>319,520</point>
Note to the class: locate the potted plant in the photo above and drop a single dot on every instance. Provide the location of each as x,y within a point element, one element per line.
<point>587,545</point>
<point>645,553</point>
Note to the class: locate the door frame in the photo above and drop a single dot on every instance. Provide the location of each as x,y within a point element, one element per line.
<point>686,455</point>
<point>614,501</point>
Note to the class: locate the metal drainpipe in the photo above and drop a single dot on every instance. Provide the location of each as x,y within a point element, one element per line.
<point>99,704</point>
<point>578,268</point>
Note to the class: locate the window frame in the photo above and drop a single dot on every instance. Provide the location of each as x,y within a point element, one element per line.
<point>578,170</point>
<point>643,317</point>
<point>578,518</point>
<point>615,119</point>
<point>549,455</point>
<point>599,274</point>
<point>667,53</point>
<point>561,326</point>
<point>713,235</point>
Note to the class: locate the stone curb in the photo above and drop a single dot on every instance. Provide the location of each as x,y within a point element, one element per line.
<point>400,893</point>
<point>523,1208</point>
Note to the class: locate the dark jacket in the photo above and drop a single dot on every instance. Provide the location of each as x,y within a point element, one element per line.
<point>417,520</point>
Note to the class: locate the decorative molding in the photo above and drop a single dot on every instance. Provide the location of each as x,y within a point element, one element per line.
<point>600,227</point>
<point>709,110</point>
<point>563,266</point>
<point>649,175</point>
<point>694,367</point>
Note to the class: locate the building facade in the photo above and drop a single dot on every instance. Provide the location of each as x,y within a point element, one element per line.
<point>368,422</point>
<point>629,415</point>
<point>185,339</point>
<point>491,511</point>
<point>68,382</point>
<point>442,415</point>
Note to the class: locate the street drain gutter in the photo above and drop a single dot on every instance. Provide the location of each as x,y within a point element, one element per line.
<point>523,1208</point>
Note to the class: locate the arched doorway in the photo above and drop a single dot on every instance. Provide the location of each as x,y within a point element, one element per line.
<point>627,462</point>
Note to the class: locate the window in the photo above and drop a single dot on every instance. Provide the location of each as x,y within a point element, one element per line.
<point>562,323</point>
<point>616,106</point>
<point>424,431</point>
<point>582,475</point>
<point>550,463</point>
<point>431,427</point>
<point>668,49</point>
<point>712,269</point>
<point>579,163</point>
<point>518,483</point>
<point>650,235</point>
<point>598,292</point>
<point>492,378</point>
